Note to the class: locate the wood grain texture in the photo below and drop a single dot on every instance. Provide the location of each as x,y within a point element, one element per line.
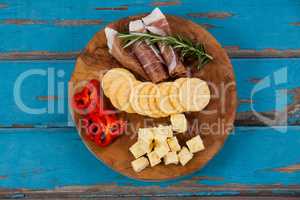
<point>98,193</point>
<point>211,15</point>
<point>54,22</point>
<point>247,172</point>
<point>248,73</point>
<point>233,52</point>
<point>240,29</point>
<point>288,169</point>
<point>96,60</point>
<point>68,167</point>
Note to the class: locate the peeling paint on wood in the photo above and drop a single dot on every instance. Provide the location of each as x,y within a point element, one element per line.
<point>39,55</point>
<point>293,109</point>
<point>114,191</point>
<point>288,169</point>
<point>208,26</point>
<point>236,52</point>
<point>211,15</point>
<point>47,98</point>
<point>249,119</point>
<point>295,24</point>
<point>247,101</point>
<point>77,22</point>
<point>254,80</point>
<point>113,8</point>
<point>23,21</point>
<point>293,112</point>
<point>232,51</point>
<point>165,3</point>
<point>70,22</point>
<point>2,5</point>
<point>22,126</point>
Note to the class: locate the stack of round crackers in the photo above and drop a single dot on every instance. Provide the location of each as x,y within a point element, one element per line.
<point>154,100</point>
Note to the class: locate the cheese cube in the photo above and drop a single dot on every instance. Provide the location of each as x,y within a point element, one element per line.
<point>153,158</point>
<point>166,130</point>
<point>138,149</point>
<point>159,138</point>
<point>162,149</point>
<point>146,134</point>
<point>161,133</point>
<point>179,123</point>
<point>184,156</point>
<point>173,144</point>
<point>140,164</point>
<point>146,146</point>
<point>195,144</point>
<point>171,158</point>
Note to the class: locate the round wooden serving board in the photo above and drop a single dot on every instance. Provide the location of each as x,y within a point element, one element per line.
<point>213,124</point>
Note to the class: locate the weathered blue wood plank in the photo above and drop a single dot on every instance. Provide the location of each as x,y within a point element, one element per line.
<point>33,25</point>
<point>48,158</point>
<point>34,90</point>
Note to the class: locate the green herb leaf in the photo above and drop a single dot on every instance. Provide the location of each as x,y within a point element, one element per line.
<point>186,46</point>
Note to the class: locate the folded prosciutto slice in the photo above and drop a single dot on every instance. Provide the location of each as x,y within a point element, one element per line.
<point>122,55</point>
<point>147,54</point>
<point>157,23</point>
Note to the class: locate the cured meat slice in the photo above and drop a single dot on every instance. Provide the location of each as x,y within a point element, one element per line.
<point>147,54</point>
<point>127,59</point>
<point>157,23</point>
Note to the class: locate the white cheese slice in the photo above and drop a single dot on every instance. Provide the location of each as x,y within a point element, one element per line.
<point>153,158</point>
<point>179,123</point>
<point>146,134</point>
<point>162,149</point>
<point>173,144</point>
<point>171,158</point>
<point>195,144</point>
<point>138,149</point>
<point>184,156</point>
<point>165,130</point>
<point>140,164</point>
<point>161,133</point>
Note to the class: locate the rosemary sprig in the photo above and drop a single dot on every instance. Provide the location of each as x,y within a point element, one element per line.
<point>187,47</point>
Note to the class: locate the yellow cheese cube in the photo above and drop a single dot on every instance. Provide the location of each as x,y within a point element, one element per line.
<point>179,123</point>
<point>173,144</point>
<point>153,158</point>
<point>162,149</point>
<point>140,164</point>
<point>195,144</point>
<point>161,133</point>
<point>171,158</point>
<point>138,149</point>
<point>146,146</point>
<point>166,130</point>
<point>146,134</point>
<point>159,138</point>
<point>184,156</point>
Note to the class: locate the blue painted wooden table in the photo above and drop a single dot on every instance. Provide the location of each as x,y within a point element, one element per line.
<point>41,155</point>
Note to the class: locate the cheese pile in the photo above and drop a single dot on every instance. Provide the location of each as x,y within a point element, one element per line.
<point>159,143</point>
<point>154,100</point>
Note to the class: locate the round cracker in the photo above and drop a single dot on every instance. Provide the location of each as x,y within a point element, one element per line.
<point>163,101</point>
<point>114,75</point>
<point>174,95</point>
<point>135,97</point>
<point>114,89</point>
<point>194,94</point>
<point>123,95</point>
<point>155,112</point>
<point>144,96</point>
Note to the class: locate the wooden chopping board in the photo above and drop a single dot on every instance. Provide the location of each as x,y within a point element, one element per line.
<point>214,124</point>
